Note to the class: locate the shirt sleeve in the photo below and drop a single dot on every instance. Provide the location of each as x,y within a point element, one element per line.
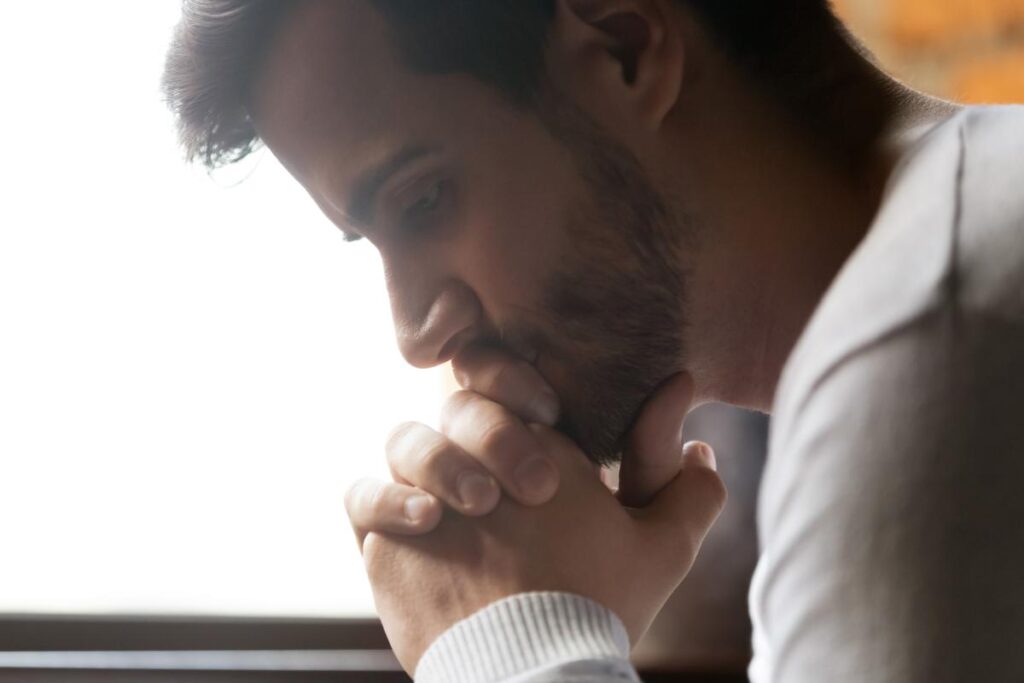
<point>540,637</point>
<point>892,516</point>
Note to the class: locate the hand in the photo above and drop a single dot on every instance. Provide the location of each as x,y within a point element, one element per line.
<point>485,445</point>
<point>583,541</point>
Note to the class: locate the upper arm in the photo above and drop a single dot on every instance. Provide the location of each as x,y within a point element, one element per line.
<point>893,517</point>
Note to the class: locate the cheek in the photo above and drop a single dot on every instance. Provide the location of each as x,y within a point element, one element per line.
<point>517,241</point>
<point>508,266</point>
<point>519,185</point>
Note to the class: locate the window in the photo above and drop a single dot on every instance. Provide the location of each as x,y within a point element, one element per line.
<point>192,368</point>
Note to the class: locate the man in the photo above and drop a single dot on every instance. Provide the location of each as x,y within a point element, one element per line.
<point>606,211</point>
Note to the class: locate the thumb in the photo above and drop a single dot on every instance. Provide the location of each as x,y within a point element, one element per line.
<point>681,515</point>
<point>651,457</point>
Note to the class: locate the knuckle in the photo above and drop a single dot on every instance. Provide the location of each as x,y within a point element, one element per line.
<point>711,490</point>
<point>376,501</point>
<point>719,492</point>
<point>507,380</point>
<point>381,557</point>
<point>396,436</point>
<point>714,483</point>
<point>372,551</point>
<point>500,437</point>
<point>353,495</point>
<point>434,457</point>
<point>455,405</point>
<point>461,368</point>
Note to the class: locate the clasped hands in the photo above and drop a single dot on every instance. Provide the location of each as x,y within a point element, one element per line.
<point>499,503</point>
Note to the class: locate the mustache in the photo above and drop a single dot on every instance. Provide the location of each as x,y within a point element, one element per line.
<point>515,336</point>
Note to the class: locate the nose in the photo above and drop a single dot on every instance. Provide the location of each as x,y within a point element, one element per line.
<point>446,324</point>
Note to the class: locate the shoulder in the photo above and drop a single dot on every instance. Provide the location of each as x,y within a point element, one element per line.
<point>989,263</point>
<point>896,436</point>
<point>917,344</point>
<point>949,236</point>
<point>891,502</point>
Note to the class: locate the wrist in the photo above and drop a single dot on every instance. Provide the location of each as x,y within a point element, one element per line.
<point>521,633</point>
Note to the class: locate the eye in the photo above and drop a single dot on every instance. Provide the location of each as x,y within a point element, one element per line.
<point>429,200</point>
<point>419,214</point>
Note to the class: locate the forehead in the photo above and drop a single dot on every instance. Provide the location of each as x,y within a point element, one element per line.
<point>326,73</point>
<point>333,96</point>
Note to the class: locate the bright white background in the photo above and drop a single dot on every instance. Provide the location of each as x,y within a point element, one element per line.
<point>192,369</point>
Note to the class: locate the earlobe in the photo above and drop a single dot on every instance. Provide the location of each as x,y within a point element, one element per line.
<point>630,50</point>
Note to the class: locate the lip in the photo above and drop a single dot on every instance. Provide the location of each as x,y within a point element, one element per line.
<point>528,352</point>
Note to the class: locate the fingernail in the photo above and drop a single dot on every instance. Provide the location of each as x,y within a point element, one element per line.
<point>476,491</point>
<point>545,408</point>
<point>417,508</point>
<point>702,456</point>
<point>537,479</point>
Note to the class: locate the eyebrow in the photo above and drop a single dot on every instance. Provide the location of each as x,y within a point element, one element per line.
<point>367,186</point>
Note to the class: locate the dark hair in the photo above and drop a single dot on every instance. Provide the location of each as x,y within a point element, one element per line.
<point>219,45</point>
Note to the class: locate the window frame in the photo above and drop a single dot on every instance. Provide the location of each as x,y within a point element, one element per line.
<point>57,633</point>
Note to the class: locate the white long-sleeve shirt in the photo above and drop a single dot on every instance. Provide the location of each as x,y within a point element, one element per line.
<point>891,513</point>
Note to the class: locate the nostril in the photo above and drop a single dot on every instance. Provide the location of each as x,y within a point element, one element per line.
<point>436,334</point>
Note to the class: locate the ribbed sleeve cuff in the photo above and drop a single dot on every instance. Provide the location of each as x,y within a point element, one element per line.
<point>521,633</point>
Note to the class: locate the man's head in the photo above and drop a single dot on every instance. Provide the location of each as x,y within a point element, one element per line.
<point>220,46</point>
<point>507,158</point>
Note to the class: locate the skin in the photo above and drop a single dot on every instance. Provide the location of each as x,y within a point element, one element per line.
<point>761,211</point>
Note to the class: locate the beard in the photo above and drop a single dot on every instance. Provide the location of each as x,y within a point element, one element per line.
<point>610,324</point>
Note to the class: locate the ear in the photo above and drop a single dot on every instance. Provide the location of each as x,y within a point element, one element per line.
<point>621,57</point>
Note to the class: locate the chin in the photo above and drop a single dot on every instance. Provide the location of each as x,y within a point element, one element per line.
<point>599,421</point>
<point>601,401</point>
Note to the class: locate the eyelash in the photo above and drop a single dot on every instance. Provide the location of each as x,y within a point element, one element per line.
<point>437,187</point>
<point>426,203</point>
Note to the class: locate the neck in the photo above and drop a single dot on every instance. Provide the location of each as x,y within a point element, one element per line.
<point>781,196</point>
